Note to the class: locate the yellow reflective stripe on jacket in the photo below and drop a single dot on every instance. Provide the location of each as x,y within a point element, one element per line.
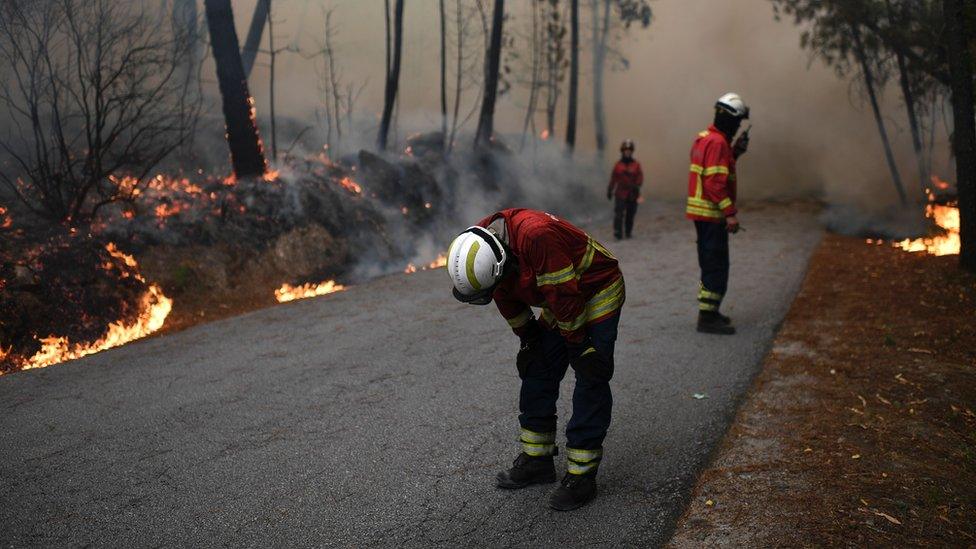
<point>521,320</point>
<point>556,277</point>
<point>602,303</point>
<point>712,170</point>
<point>574,324</point>
<point>574,272</point>
<point>534,437</point>
<point>725,203</point>
<point>696,168</point>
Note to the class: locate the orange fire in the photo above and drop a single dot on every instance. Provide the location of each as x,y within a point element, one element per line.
<point>5,223</point>
<point>350,185</point>
<point>168,210</point>
<point>287,292</point>
<point>946,216</point>
<point>441,261</point>
<point>154,307</point>
<point>270,175</point>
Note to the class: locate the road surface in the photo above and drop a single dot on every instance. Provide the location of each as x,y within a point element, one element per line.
<point>379,415</point>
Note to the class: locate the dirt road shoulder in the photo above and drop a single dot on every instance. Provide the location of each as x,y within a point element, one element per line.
<point>861,427</point>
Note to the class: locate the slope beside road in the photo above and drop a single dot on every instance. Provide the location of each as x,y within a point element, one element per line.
<point>379,415</point>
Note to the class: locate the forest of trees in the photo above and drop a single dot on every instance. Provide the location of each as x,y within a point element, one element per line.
<point>926,48</point>
<point>75,135</point>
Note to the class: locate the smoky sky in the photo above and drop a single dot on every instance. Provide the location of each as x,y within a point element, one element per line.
<point>812,135</point>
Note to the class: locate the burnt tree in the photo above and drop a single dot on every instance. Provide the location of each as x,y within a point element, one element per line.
<point>392,76</point>
<point>573,99</point>
<point>262,11</point>
<point>958,38</point>
<point>246,152</point>
<point>486,120</point>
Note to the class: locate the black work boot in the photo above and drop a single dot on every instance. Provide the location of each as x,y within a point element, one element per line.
<point>574,492</point>
<point>725,320</point>
<point>527,470</point>
<point>710,322</point>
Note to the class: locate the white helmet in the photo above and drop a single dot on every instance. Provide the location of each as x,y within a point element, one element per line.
<point>475,261</point>
<point>733,104</point>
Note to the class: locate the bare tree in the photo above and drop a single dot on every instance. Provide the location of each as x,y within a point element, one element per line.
<point>535,74</point>
<point>92,99</point>
<point>246,152</point>
<point>573,75</point>
<point>555,61</point>
<point>392,77</point>
<point>262,11</point>
<point>869,85</point>
<point>486,120</point>
<point>443,74</point>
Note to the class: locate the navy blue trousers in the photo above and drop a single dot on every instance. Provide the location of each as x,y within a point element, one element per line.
<point>713,259</point>
<point>592,400</point>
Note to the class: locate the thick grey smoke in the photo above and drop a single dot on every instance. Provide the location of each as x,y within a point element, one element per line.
<point>811,135</point>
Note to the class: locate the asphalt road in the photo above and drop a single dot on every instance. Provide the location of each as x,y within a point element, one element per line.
<point>379,416</point>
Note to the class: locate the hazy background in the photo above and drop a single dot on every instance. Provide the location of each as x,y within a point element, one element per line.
<point>812,135</point>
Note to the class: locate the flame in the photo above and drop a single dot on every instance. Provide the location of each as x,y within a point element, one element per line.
<point>350,185</point>
<point>5,224</point>
<point>946,216</point>
<point>270,175</point>
<point>544,135</point>
<point>441,261</point>
<point>167,210</point>
<point>287,292</point>
<point>154,307</point>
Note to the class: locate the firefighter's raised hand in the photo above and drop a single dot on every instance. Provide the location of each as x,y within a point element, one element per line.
<point>741,145</point>
<point>732,224</point>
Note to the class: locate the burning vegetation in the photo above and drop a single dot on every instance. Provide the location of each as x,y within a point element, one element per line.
<point>942,210</point>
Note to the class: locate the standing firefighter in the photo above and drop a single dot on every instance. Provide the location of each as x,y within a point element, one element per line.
<point>711,205</point>
<point>625,183</point>
<point>526,258</point>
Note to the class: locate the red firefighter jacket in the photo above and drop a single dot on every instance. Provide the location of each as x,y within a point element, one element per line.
<point>570,276</point>
<point>626,180</point>
<point>711,178</point>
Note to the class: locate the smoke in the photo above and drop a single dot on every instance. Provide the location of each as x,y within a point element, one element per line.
<point>812,137</point>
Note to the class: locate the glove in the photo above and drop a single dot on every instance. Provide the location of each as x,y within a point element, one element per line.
<point>531,353</point>
<point>740,146</point>
<point>589,362</point>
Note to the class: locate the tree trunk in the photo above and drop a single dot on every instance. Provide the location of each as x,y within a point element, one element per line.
<point>899,19</point>
<point>392,77</point>
<point>534,80</point>
<point>486,119</point>
<point>601,30</point>
<point>573,75</point>
<point>253,41</point>
<point>246,152</point>
<point>459,71</point>
<point>443,75</point>
<point>872,95</point>
<point>271,90</point>
<point>957,41</point>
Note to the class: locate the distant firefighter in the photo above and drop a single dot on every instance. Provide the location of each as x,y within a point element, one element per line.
<point>526,258</point>
<point>625,184</point>
<point>711,205</point>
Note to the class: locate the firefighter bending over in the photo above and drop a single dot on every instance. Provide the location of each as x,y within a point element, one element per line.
<point>711,205</point>
<point>524,258</point>
<point>625,184</point>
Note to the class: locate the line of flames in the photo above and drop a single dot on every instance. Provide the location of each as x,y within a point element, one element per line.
<point>154,307</point>
<point>946,216</point>
<point>287,292</point>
